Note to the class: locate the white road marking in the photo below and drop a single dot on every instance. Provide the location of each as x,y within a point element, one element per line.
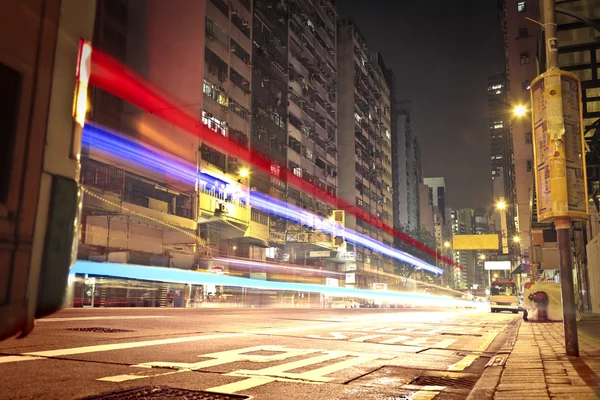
<point>266,375</point>
<point>127,345</point>
<point>395,340</point>
<point>9,359</point>
<point>242,385</point>
<point>368,337</point>
<point>430,342</point>
<point>36,355</point>
<point>470,359</point>
<point>122,378</point>
<point>108,317</point>
<point>333,336</point>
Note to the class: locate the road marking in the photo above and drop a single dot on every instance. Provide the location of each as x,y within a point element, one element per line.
<point>36,355</point>
<point>427,392</point>
<point>395,340</point>
<point>122,378</point>
<point>266,375</point>
<point>9,359</point>
<point>108,317</point>
<point>430,342</point>
<point>334,336</point>
<point>127,345</point>
<point>469,359</point>
<point>365,338</point>
<point>130,345</point>
<point>242,385</point>
<point>463,363</point>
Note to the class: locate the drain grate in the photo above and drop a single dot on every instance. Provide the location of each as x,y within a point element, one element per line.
<point>164,392</point>
<point>462,382</point>
<point>99,330</point>
<point>460,334</point>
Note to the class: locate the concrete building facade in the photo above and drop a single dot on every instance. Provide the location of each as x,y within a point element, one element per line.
<point>520,39</point>
<point>364,147</point>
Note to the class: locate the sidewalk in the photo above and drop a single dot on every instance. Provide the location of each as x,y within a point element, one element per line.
<point>536,366</point>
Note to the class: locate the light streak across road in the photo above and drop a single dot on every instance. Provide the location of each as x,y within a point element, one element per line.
<point>175,275</point>
<point>111,143</point>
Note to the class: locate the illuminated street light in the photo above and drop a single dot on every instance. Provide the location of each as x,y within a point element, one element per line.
<point>447,244</point>
<point>244,172</point>
<point>520,111</point>
<point>501,205</point>
<point>516,239</point>
<point>482,257</point>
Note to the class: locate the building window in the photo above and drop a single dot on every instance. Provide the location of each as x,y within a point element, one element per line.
<point>523,33</point>
<point>239,81</point>
<point>526,84</point>
<point>524,58</point>
<point>213,123</point>
<point>529,166</point>
<point>528,138</point>
<point>521,6</point>
<point>239,51</point>
<point>213,156</point>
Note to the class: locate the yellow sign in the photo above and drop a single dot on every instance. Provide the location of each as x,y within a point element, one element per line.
<point>476,242</point>
<point>558,151</point>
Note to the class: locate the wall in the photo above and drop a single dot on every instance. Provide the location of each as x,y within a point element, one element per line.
<point>125,234</point>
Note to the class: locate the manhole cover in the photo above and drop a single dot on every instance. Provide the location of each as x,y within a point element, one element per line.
<point>99,330</point>
<point>448,380</point>
<point>163,392</point>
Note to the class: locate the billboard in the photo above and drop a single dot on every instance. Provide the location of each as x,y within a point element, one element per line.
<point>497,265</point>
<point>476,242</point>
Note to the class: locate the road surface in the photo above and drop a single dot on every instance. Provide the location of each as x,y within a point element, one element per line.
<point>260,353</point>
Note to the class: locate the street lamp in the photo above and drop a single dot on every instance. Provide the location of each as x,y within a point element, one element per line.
<point>447,244</point>
<point>482,257</point>
<point>520,110</point>
<point>516,239</point>
<point>244,172</point>
<point>501,205</point>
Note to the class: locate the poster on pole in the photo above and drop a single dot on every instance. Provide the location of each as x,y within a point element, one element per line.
<point>561,185</point>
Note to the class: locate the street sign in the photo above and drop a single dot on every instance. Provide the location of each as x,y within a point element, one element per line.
<point>476,242</point>
<point>558,151</point>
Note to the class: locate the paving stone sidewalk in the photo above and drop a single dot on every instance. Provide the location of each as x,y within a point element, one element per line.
<point>537,367</point>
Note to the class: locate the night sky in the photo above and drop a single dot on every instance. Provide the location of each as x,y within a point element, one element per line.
<point>441,52</point>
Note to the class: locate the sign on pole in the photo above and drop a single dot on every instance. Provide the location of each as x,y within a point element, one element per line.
<point>558,150</point>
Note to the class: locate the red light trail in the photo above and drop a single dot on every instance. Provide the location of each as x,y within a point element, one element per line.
<point>114,77</point>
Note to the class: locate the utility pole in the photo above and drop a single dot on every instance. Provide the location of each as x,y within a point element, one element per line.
<point>561,191</point>
<point>562,225</point>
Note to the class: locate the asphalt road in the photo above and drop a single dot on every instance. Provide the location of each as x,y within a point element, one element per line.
<point>262,353</point>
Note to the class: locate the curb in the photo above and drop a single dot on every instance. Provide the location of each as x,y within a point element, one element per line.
<point>485,387</point>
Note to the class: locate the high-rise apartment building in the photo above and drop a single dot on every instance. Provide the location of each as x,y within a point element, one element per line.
<point>503,176</point>
<point>426,210</point>
<point>463,224</point>
<point>364,146</point>
<point>520,39</point>
<point>312,120</point>
<point>198,53</point>
<point>407,169</point>
<point>132,213</point>
<point>480,227</point>
<point>228,227</point>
